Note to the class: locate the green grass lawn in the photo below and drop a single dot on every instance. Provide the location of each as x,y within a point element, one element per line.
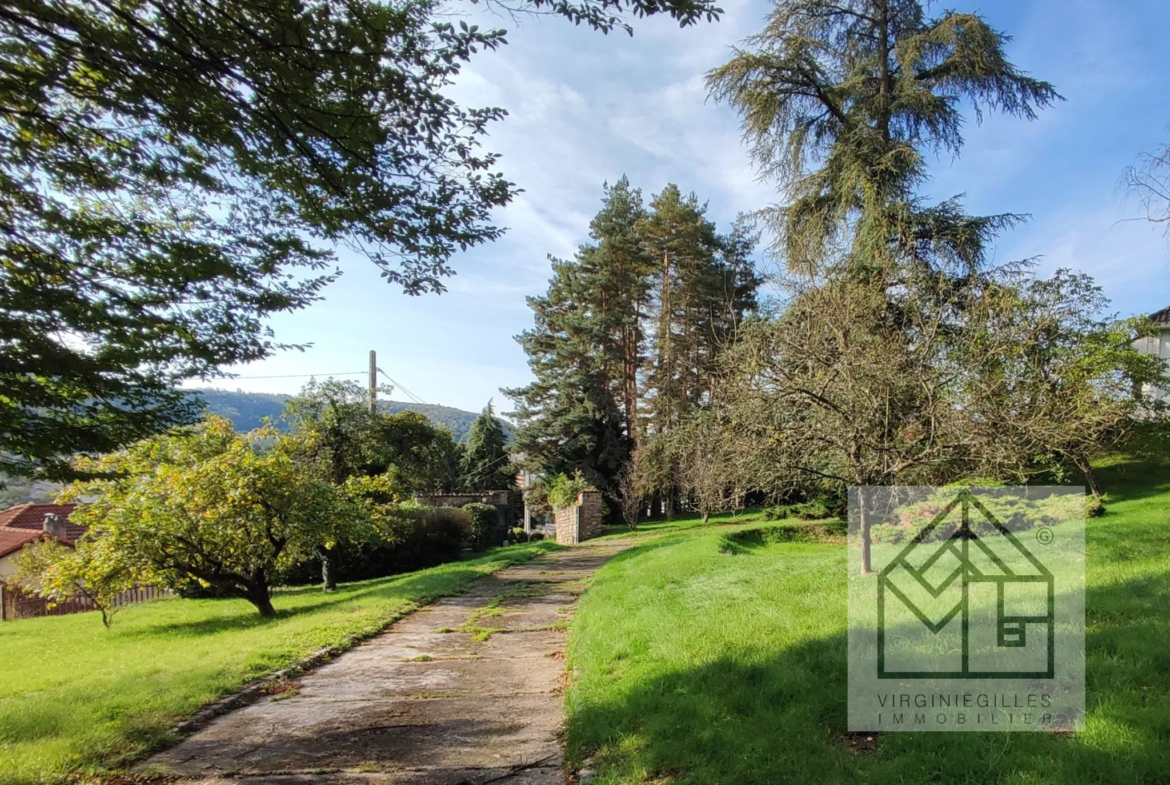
<point>686,524</point>
<point>76,698</point>
<point>692,665</point>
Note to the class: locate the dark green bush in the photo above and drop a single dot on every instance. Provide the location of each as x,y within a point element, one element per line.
<point>517,534</point>
<point>1094,506</point>
<point>415,538</point>
<point>484,526</point>
<point>817,509</point>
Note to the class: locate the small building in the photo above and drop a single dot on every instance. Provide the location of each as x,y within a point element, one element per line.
<point>1158,346</point>
<point>27,523</point>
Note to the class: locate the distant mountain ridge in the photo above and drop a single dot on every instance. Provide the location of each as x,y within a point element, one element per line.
<point>246,410</point>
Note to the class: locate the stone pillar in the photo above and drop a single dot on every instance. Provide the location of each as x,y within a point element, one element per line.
<point>581,521</point>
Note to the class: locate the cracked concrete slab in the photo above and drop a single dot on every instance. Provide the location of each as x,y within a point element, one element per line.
<point>462,645</point>
<point>428,702</point>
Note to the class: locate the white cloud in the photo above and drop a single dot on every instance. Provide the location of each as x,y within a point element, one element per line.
<point>585,109</point>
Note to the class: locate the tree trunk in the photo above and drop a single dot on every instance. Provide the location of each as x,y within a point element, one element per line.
<point>1086,468</point>
<point>630,344</point>
<point>328,571</point>
<point>866,542</point>
<point>258,595</point>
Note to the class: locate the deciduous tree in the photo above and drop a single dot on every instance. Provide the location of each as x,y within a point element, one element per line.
<point>172,173</point>
<point>59,573</point>
<point>209,506</point>
<point>1148,179</point>
<point>338,439</point>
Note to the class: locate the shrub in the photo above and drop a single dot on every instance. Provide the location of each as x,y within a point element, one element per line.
<point>888,533</point>
<point>412,538</point>
<point>536,497</point>
<point>815,510</point>
<point>1094,506</point>
<point>427,537</point>
<point>483,529</point>
<point>563,490</point>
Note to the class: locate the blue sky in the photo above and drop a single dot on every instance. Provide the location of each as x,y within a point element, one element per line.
<point>586,108</point>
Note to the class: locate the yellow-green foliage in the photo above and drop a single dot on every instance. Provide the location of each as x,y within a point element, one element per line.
<point>208,506</point>
<point>563,490</point>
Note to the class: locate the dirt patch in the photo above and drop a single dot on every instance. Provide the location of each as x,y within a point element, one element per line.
<point>861,743</point>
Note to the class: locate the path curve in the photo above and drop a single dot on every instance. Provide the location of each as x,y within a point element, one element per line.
<point>466,691</point>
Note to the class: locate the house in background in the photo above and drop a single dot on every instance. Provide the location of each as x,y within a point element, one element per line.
<point>1159,346</point>
<point>30,522</point>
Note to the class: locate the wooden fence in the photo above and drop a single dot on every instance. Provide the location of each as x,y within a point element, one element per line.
<point>15,604</point>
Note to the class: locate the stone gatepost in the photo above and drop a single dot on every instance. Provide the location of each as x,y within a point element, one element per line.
<point>581,521</point>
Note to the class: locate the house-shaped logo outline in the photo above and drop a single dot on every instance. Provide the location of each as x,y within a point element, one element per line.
<point>1010,629</point>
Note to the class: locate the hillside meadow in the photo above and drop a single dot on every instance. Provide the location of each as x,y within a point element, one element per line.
<point>694,662</point>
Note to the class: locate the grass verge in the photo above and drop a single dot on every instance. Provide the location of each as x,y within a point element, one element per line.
<point>76,699</point>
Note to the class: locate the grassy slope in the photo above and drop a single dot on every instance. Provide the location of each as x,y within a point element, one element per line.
<point>701,667</point>
<point>75,697</point>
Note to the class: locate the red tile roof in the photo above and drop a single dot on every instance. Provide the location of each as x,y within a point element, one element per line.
<point>31,517</point>
<point>12,540</point>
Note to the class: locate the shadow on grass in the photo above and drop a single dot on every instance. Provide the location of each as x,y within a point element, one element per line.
<point>755,717</point>
<point>1135,475</point>
<point>415,588</point>
<point>688,523</point>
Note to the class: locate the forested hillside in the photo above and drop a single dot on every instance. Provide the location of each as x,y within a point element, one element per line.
<point>246,410</point>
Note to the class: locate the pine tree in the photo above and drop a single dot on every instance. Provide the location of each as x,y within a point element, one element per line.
<point>612,365</point>
<point>703,284</point>
<point>586,350</point>
<point>617,271</point>
<point>485,457</point>
<point>842,101</point>
<point>569,417</point>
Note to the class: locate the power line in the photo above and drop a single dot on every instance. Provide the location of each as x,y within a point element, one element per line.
<point>299,375</point>
<point>398,386</point>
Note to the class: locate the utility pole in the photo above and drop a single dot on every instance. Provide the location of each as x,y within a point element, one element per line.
<point>373,382</point>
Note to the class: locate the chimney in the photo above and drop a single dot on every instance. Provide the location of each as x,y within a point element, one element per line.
<point>55,525</point>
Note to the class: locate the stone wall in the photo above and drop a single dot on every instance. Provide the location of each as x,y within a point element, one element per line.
<point>581,521</point>
<point>495,498</point>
